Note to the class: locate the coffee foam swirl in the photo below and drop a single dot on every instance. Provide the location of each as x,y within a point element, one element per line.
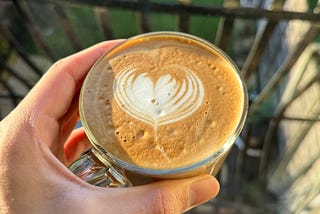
<point>155,103</point>
<point>158,101</point>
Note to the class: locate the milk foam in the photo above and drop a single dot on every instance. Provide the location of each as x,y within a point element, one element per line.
<point>155,103</point>
<point>160,101</point>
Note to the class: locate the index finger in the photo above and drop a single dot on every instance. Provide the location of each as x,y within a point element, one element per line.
<point>53,94</point>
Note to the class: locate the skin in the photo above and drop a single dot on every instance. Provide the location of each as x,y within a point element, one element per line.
<point>38,141</point>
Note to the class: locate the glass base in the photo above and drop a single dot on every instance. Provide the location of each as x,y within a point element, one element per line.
<point>90,169</point>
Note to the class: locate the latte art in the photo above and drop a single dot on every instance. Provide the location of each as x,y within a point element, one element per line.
<point>160,101</point>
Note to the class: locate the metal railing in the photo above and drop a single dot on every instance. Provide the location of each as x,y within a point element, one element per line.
<point>267,122</point>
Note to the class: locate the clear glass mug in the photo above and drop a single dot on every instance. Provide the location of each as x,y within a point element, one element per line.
<point>100,167</point>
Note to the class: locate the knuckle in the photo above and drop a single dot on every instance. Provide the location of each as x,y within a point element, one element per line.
<point>58,64</point>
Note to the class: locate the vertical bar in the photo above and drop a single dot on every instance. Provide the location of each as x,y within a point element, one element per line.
<point>68,28</point>
<point>104,22</point>
<point>144,16</point>
<point>184,16</point>
<point>258,47</point>
<point>260,43</point>
<point>225,26</point>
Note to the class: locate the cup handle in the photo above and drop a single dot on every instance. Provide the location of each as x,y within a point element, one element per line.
<point>90,169</point>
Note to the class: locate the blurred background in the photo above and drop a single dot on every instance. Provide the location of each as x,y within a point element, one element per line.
<point>274,166</point>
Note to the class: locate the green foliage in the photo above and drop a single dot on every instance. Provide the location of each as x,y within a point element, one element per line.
<point>124,23</point>
<point>85,25</point>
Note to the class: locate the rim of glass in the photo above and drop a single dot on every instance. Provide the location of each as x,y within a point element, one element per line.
<point>107,156</point>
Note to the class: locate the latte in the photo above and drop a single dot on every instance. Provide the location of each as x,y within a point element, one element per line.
<point>162,102</point>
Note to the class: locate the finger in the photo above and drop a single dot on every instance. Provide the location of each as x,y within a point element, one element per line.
<point>76,144</point>
<point>53,94</point>
<point>67,124</point>
<point>174,196</point>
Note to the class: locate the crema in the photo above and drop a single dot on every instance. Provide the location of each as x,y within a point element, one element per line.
<point>162,102</point>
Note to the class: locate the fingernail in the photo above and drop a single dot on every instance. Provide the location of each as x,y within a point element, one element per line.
<point>203,189</point>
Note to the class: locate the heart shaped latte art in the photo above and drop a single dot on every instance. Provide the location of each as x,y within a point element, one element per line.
<point>161,101</point>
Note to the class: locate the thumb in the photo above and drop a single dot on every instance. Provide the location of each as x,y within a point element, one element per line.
<point>170,196</point>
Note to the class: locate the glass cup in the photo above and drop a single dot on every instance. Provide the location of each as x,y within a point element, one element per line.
<point>101,167</point>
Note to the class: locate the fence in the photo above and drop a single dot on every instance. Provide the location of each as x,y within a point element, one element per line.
<point>274,132</point>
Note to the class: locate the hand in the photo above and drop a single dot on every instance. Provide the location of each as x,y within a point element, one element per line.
<point>38,140</point>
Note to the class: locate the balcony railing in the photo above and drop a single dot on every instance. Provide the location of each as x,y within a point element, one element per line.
<point>279,61</point>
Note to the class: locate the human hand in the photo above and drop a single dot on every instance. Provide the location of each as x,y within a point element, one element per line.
<point>38,141</point>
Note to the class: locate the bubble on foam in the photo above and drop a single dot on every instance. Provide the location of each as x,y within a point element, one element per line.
<point>107,102</point>
<point>212,123</point>
<point>163,153</point>
<point>171,131</point>
<point>140,134</point>
<point>160,148</point>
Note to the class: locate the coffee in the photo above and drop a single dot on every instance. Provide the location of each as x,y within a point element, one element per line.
<point>162,102</point>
